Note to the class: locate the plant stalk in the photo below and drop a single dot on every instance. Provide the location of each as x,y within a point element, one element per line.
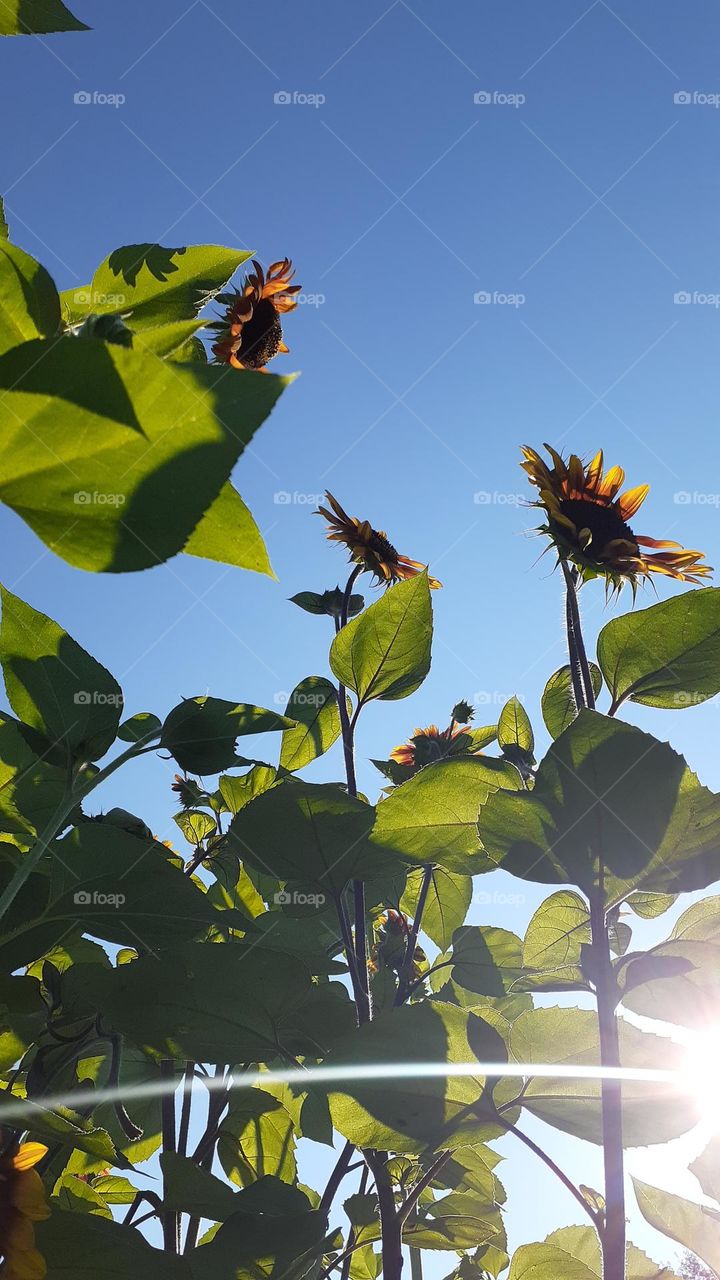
<point>390,1225</point>
<point>170,1219</point>
<point>612,1235</point>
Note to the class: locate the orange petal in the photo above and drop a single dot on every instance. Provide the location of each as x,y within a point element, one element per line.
<point>30,1153</point>
<point>631,501</point>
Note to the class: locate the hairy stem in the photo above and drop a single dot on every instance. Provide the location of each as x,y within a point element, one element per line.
<point>613,1233</point>
<point>336,1178</point>
<point>170,1219</point>
<point>404,985</point>
<point>579,666</point>
<point>390,1224</point>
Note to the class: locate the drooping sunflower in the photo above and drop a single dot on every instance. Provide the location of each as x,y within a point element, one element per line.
<point>370,547</point>
<point>431,744</point>
<point>22,1202</point>
<point>250,333</point>
<point>588,522</point>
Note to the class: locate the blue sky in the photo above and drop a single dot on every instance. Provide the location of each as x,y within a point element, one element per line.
<point>579,201</point>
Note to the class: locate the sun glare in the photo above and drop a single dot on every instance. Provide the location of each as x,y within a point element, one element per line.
<point>700,1073</point>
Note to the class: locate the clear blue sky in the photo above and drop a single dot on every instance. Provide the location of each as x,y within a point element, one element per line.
<point>399,198</point>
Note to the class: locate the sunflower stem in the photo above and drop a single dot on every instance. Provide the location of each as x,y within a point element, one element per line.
<point>583,691</point>
<point>390,1225</point>
<point>348,739</point>
<point>170,1219</point>
<point>612,1235</point>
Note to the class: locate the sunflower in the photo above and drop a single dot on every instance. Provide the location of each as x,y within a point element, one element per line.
<point>588,522</point>
<point>249,333</point>
<point>370,547</point>
<point>431,744</point>
<point>22,1202</point>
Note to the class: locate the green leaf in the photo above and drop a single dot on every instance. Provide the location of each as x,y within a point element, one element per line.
<point>677,982</point>
<point>18,17</point>
<point>700,923</point>
<point>665,656</point>
<point>190,1189</point>
<point>112,884</point>
<point>228,533</point>
<point>83,1247</point>
<point>385,652</point>
<point>195,824</point>
<point>176,1004</point>
<point>140,727</point>
<point>547,1262</point>
<point>313,705</point>
<point>257,1139</point>
<point>329,604</point>
<point>433,817</point>
<point>4,229</point>
<point>695,1226</point>
<point>650,905</point>
<point>486,960</point>
<point>168,341</point>
<point>589,813</point>
<point>23,1014</point>
<point>558,703</point>
<point>554,940</point>
<point>75,1196</point>
<point>707,1168</point>
<point>154,284</point>
<point>446,905</point>
<point>312,833</point>
<point>60,1126</point>
<point>583,1244</point>
<point>514,728</point>
<point>651,1112</point>
<point>29,302</point>
<point>31,790</point>
<point>201,732</point>
<point>53,685</point>
<point>239,791</point>
<point>407,1114</point>
<point>114,456</point>
<point>264,1244</point>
